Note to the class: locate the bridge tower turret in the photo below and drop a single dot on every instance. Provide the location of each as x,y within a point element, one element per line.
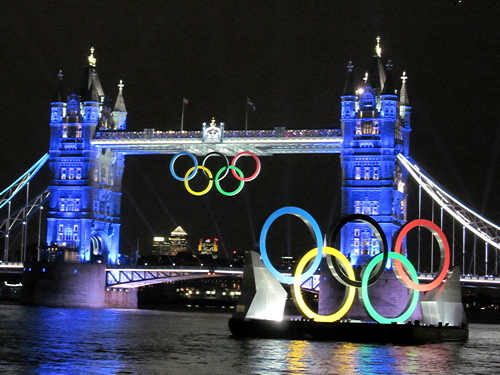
<point>83,221</point>
<point>375,129</point>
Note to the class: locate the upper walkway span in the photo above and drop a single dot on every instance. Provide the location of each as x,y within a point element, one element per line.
<point>260,142</point>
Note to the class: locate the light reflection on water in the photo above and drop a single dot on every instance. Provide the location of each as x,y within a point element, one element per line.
<point>77,341</point>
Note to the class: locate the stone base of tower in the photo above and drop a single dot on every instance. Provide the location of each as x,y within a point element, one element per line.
<point>388,296</point>
<point>74,285</point>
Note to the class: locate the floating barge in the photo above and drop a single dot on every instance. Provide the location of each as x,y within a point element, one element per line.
<point>357,332</point>
<point>259,314</point>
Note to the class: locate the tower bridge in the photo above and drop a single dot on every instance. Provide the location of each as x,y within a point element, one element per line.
<point>89,141</point>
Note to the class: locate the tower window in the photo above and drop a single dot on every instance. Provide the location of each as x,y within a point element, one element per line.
<point>367,128</point>
<point>68,234</point>
<point>357,173</point>
<point>367,173</point>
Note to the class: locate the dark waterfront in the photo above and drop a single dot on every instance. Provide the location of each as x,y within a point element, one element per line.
<point>38,340</point>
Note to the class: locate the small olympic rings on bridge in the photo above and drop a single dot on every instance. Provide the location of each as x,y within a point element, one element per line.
<point>343,271</point>
<point>234,170</point>
<point>257,166</point>
<point>215,153</point>
<point>220,175</point>
<point>176,156</point>
<point>210,180</point>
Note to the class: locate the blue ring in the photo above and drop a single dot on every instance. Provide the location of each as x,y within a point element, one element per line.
<point>193,173</point>
<point>315,231</point>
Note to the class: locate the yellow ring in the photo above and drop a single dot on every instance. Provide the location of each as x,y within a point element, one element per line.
<point>210,181</point>
<point>350,292</point>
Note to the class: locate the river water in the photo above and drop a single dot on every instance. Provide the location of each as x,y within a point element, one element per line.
<point>38,340</point>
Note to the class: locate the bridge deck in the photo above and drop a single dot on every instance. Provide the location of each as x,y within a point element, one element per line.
<point>261,142</point>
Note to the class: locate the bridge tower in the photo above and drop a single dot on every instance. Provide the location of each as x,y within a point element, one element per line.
<point>85,192</point>
<point>375,122</point>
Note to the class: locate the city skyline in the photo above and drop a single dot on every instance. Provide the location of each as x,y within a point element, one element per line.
<point>290,61</point>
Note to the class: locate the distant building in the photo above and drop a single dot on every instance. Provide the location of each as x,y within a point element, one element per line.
<point>176,243</point>
<point>208,246</point>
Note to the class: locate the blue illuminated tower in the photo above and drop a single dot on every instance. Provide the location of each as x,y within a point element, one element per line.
<point>375,122</point>
<point>84,210</point>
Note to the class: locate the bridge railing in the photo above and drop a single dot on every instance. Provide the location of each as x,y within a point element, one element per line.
<point>170,134</point>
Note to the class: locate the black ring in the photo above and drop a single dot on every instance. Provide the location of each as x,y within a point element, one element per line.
<point>337,271</point>
<point>218,154</point>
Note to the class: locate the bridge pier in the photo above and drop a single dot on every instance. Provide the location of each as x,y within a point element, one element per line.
<point>74,285</point>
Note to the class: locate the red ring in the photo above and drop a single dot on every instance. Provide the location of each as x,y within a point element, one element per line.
<point>257,167</point>
<point>445,254</point>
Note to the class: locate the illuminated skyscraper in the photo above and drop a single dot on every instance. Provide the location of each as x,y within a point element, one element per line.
<point>176,243</point>
<point>209,246</point>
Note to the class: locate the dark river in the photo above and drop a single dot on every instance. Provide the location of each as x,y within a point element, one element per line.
<point>38,340</point>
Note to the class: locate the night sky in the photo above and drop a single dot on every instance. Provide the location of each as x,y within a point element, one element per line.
<point>290,58</point>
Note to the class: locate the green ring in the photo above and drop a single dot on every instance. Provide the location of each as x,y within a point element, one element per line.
<point>412,303</point>
<point>238,189</point>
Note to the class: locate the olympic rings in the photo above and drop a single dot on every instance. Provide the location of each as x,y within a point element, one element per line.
<point>217,184</point>
<point>257,166</point>
<point>445,254</point>
<point>210,181</point>
<point>346,275</point>
<point>218,154</point>
<point>334,267</point>
<point>176,156</point>
<point>412,303</point>
<point>236,172</point>
<point>350,290</point>
<point>315,231</point>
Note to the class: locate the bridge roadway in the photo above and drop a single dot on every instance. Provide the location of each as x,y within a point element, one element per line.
<point>135,277</point>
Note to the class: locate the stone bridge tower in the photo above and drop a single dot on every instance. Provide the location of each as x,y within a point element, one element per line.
<point>375,120</point>
<point>83,221</point>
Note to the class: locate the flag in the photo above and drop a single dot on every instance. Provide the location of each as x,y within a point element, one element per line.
<point>250,103</point>
<point>185,101</point>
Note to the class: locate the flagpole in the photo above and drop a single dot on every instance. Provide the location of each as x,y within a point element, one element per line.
<point>246,116</point>
<point>182,116</point>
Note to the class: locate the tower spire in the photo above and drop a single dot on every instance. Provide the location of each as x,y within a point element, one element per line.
<point>403,96</point>
<point>120,102</point>
<point>378,50</point>
<point>92,60</point>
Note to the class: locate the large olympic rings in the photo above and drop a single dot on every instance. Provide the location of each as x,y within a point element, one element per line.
<point>315,231</point>
<point>344,271</point>
<point>412,303</point>
<point>334,267</point>
<point>350,291</point>
<point>236,172</point>
<point>445,254</point>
